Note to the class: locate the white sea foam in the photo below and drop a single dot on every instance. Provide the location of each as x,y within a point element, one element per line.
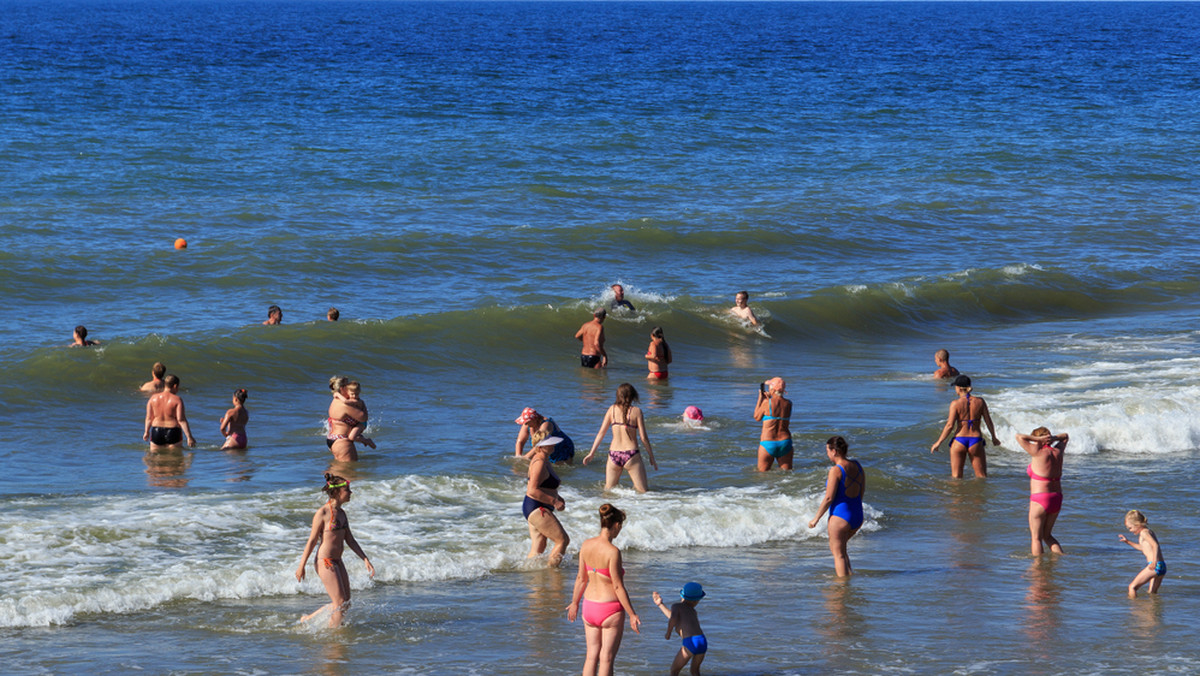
<point>68,556</point>
<point>1142,406</point>
<point>1020,269</point>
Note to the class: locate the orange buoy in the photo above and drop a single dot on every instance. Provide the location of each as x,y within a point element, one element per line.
<point>181,243</point>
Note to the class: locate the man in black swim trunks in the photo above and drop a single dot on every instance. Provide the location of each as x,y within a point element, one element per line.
<point>592,335</point>
<point>166,421</point>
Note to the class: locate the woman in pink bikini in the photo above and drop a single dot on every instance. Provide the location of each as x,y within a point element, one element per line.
<point>331,529</point>
<point>1045,485</point>
<point>601,586</point>
<point>627,425</point>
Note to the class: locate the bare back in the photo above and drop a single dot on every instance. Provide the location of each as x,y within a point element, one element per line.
<point>776,417</point>
<point>165,409</point>
<point>625,428</point>
<point>592,335</point>
<point>601,559</point>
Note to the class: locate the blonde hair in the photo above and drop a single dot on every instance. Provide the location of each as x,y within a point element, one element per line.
<point>942,355</point>
<point>336,383</point>
<point>353,386</point>
<point>1136,517</point>
<point>1040,432</point>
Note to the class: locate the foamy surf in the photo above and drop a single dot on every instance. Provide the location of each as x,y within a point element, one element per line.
<point>72,556</point>
<point>1139,406</point>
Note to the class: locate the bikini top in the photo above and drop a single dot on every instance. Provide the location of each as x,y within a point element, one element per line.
<point>332,525</point>
<point>970,421</point>
<point>605,571</point>
<point>768,416</point>
<point>551,482</point>
<point>1035,477</point>
<point>624,424</point>
<point>346,419</point>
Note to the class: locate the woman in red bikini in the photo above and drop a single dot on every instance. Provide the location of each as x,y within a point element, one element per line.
<point>658,355</point>
<point>627,425</point>
<point>601,586</point>
<point>1045,485</point>
<point>331,529</point>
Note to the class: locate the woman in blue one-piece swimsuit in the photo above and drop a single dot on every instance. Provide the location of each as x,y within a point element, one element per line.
<point>844,489</point>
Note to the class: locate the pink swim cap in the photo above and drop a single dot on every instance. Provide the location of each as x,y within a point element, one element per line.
<point>693,413</point>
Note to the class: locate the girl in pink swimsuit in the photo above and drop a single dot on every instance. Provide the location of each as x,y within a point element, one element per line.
<point>1045,485</point>
<point>233,425</point>
<point>601,586</point>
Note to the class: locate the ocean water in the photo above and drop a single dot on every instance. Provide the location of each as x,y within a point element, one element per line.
<point>1014,182</point>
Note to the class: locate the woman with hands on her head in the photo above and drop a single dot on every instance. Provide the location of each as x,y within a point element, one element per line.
<point>627,425</point>
<point>331,529</point>
<point>844,489</point>
<point>963,420</point>
<point>601,586</point>
<point>1045,485</point>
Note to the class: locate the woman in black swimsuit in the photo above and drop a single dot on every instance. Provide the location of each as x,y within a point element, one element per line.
<point>541,499</point>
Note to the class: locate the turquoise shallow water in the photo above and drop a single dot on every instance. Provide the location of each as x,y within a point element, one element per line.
<point>1012,182</point>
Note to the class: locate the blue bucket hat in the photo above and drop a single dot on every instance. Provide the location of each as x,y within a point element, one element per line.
<point>692,591</point>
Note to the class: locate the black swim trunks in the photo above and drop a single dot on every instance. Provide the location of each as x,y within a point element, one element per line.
<point>589,361</point>
<point>166,436</point>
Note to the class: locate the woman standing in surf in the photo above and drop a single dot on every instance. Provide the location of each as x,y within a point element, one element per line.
<point>600,586</point>
<point>331,529</point>
<point>966,412</point>
<point>627,425</point>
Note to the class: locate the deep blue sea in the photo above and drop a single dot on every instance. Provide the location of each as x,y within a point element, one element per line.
<point>1014,182</point>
